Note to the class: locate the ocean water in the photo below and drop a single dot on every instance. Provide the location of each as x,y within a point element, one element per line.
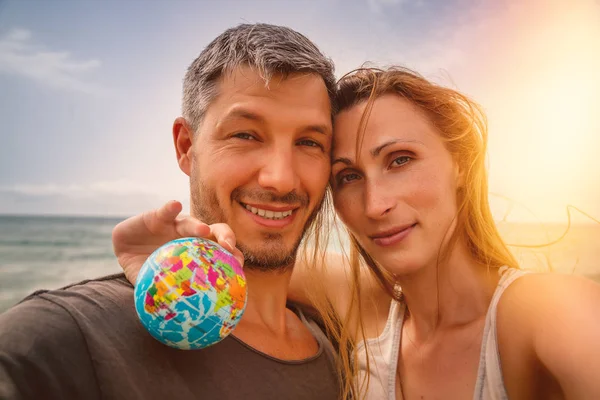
<point>51,252</point>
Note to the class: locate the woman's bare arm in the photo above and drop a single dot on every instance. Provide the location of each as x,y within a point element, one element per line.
<point>556,319</point>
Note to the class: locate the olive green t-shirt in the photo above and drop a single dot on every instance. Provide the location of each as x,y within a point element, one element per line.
<point>86,342</point>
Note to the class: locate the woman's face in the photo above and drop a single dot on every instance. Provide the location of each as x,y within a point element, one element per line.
<point>397,195</point>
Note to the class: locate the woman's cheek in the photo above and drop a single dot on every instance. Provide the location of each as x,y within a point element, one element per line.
<point>347,207</point>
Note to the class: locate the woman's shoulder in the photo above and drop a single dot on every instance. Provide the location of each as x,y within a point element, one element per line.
<point>534,297</point>
<point>545,291</point>
<point>537,302</point>
<point>541,321</point>
<point>539,308</point>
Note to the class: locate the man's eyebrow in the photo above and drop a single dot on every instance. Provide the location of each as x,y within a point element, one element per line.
<point>323,129</point>
<point>377,150</point>
<point>241,113</point>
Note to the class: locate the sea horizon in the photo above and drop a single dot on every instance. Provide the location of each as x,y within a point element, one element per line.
<point>585,222</point>
<point>49,251</point>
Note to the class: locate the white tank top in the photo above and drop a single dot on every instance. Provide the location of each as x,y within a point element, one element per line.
<point>384,351</point>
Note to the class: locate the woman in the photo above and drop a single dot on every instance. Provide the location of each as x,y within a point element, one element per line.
<point>443,311</point>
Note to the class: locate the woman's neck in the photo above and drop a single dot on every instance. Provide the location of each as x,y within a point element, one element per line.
<point>454,292</point>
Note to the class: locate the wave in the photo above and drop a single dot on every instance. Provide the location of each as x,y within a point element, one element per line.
<point>39,243</point>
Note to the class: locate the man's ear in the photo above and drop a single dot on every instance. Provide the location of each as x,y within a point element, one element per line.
<point>183,140</point>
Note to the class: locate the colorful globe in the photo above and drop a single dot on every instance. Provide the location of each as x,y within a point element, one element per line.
<point>190,293</point>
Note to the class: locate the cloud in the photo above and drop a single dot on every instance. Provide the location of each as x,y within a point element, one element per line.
<point>120,197</point>
<point>20,55</point>
<point>82,191</point>
<point>377,6</point>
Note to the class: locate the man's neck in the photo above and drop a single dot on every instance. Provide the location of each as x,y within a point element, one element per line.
<point>267,325</point>
<point>267,297</point>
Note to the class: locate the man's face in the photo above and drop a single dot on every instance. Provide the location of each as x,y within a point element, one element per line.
<point>260,161</point>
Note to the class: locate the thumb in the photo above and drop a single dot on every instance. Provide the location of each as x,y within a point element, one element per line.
<point>239,256</point>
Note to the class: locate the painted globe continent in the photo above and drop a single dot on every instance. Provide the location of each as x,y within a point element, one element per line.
<point>190,293</point>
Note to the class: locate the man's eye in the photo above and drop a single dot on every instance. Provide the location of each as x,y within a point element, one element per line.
<point>244,135</point>
<point>311,143</point>
<point>399,161</point>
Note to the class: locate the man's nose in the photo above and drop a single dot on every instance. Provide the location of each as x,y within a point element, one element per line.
<point>278,173</point>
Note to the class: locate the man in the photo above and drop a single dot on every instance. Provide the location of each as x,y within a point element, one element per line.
<point>254,139</point>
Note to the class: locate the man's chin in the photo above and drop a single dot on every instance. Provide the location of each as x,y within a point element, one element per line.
<point>270,251</point>
<point>268,258</point>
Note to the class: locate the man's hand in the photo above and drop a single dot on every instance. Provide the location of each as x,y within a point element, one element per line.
<point>137,237</point>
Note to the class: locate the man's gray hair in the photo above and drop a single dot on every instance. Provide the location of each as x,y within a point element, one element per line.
<point>269,49</point>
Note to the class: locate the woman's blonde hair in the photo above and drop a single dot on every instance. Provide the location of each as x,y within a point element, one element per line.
<point>462,125</point>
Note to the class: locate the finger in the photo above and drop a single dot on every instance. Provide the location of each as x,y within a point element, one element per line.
<point>223,235</point>
<point>156,221</point>
<point>239,256</point>
<point>188,226</point>
<point>168,212</point>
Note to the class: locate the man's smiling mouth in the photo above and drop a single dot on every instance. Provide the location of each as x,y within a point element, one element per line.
<point>268,212</point>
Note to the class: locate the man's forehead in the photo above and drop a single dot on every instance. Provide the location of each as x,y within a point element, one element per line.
<point>242,79</point>
<point>248,112</point>
<point>250,81</point>
<point>244,94</point>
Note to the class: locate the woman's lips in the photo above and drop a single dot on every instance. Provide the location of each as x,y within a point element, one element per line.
<point>392,236</point>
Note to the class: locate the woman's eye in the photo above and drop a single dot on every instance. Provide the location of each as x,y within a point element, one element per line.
<point>310,143</point>
<point>347,178</point>
<point>398,161</point>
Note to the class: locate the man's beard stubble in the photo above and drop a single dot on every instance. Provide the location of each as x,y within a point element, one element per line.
<point>271,257</point>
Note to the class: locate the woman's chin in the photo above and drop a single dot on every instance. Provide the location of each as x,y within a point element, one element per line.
<point>400,263</point>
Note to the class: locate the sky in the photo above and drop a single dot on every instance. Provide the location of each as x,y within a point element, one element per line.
<point>89,91</point>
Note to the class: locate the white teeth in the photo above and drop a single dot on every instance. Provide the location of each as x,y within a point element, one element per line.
<point>268,214</point>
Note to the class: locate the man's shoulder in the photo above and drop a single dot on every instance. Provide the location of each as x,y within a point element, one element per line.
<point>62,309</point>
<point>107,287</point>
<point>35,333</point>
<point>87,312</point>
<point>106,292</point>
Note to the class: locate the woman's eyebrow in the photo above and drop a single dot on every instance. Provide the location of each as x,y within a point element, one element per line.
<point>343,160</point>
<point>375,152</point>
